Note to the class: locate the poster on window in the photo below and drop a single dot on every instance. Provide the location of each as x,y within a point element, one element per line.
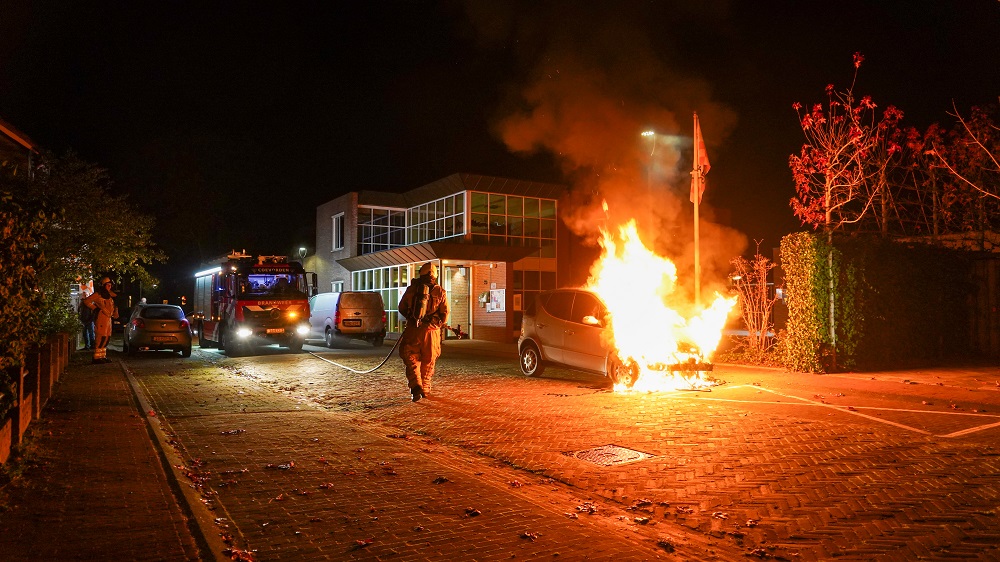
<point>497,300</point>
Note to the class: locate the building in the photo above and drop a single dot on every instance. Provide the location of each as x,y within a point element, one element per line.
<point>497,242</point>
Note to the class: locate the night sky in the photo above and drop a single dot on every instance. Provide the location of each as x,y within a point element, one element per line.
<point>229,122</point>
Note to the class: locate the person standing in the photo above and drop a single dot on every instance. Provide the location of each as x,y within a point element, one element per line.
<point>86,316</point>
<point>103,304</point>
<point>425,307</point>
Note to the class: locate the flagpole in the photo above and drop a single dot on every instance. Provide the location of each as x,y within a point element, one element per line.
<point>697,178</point>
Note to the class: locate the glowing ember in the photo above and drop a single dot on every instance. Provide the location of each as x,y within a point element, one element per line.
<point>663,345</point>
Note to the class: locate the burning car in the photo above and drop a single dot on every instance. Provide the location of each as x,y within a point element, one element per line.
<point>571,328</point>
<point>629,322</point>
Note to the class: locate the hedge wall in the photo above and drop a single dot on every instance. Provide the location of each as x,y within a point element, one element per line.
<point>894,304</point>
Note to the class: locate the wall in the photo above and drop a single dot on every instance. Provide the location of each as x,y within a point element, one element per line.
<point>491,326</point>
<point>326,267</point>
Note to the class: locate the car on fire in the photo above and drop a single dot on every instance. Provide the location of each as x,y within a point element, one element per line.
<point>569,328</point>
<point>156,327</point>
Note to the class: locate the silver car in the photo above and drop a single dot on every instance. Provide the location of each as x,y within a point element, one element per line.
<point>566,328</point>
<point>157,326</point>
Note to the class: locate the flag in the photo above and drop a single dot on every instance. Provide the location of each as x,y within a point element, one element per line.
<point>700,165</point>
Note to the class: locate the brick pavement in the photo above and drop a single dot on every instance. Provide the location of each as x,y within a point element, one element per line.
<point>818,480</point>
<point>297,482</point>
<point>94,487</point>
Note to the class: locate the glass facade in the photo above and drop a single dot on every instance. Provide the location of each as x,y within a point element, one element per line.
<point>442,218</point>
<point>380,229</point>
<point>390,282</point>
<point>512,220</point>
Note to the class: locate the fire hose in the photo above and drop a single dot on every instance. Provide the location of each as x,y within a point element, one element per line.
<point>373,369</point>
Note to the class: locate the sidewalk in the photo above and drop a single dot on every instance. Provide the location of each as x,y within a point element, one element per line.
<point>93,486</point>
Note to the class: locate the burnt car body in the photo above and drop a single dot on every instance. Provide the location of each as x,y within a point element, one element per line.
<point>157,327</point>
<point>568,328</point>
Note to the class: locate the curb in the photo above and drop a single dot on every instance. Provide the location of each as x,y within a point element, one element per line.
<point>200,521</point>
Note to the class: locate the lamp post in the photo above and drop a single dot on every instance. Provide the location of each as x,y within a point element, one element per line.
<point>302,253</point>
<point>649,167</point>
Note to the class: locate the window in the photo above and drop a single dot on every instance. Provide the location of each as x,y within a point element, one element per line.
<point>337,287</point>
<point>338,232</point>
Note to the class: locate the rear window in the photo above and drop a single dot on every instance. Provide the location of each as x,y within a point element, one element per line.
<point>162,313</point>
<point>361,300</point>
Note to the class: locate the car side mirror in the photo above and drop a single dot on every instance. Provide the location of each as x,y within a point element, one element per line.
<point>591,320</point>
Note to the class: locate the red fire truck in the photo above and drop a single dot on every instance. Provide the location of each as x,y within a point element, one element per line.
<point>248,301</point>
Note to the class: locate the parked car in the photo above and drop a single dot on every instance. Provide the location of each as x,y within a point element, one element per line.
<point>340,317</point>
<point>156,327</point>
<point>565,327</point>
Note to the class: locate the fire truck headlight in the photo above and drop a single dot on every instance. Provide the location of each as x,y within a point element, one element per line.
<point>292,315</point>
<point>302,330</point>
<point>244,332</point>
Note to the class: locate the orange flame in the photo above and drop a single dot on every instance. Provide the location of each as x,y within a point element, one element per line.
<point>636,286</point>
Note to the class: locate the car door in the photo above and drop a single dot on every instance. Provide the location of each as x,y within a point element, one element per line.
<point>550,324</point>
<point>583,345</point>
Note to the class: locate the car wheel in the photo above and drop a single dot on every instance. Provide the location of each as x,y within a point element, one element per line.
<point>377,342</point>
<point>622,373</point>
<point>531,360</point>
<point>295,345</point>
<point>328,337</point>
<point>186,352</point>
<point>230,345</point>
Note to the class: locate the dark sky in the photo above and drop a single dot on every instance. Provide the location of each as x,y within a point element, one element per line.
<point>231,121</point>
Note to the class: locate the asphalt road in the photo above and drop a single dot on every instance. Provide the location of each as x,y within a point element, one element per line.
<point>305,460</point>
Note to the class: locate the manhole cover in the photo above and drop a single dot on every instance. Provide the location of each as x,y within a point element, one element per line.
<point>610,455</point>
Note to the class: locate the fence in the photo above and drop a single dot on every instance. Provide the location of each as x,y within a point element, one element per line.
<point>33,384</point>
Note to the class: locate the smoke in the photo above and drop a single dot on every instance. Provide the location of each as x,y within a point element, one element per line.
<point>593,83</point>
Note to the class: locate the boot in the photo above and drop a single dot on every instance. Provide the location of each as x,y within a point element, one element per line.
<point>417,393</point>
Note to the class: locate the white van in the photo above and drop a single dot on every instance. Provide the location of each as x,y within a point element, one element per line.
<point>339,317</point>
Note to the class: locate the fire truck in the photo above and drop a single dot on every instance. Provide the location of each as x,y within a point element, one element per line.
<point>247,301</point>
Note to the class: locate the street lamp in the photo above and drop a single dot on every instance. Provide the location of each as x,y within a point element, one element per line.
<point>649,167</point>
<point>302,253</point>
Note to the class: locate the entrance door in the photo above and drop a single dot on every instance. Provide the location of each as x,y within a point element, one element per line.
<point>456,282</point>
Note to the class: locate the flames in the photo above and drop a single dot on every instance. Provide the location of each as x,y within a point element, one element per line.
<point>638,288</point>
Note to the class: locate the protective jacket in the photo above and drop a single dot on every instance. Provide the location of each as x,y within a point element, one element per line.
<point>102,301</point>
<point>425,307</point>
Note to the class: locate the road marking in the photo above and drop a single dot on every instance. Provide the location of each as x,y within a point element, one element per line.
<point>855,411</point>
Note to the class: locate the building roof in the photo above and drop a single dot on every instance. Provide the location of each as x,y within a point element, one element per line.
<point>428,251</point>
<point>20,138</point>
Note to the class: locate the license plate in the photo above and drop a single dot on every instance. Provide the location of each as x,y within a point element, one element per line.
<point>352,322</point>
<point>276,330</point>
<point>164,338</point>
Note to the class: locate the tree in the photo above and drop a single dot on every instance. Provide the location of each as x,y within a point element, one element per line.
<point>840,172</point>
<point>756,301</point>
<point>91,232</point>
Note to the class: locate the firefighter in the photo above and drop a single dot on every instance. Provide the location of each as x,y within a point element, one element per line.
<point>103,304</point>
<point>425,307</point>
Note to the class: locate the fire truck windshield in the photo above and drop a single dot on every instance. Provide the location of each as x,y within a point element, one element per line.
<point>272,286</point>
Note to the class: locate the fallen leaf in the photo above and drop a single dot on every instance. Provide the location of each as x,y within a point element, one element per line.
<point>529,535</point>
<point>472,512</point>
<point>515,484</point>
<point>364,542</point>
<point>440,480</point>
<point>641,520</point>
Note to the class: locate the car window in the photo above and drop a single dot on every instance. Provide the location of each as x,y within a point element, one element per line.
<point>587,304</point>
<point>162,313</point>
<point>560,304</point>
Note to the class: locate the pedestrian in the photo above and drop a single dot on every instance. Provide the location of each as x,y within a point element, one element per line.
<point>103,304</point>
<point>425,307</point>
<point>86,316</point>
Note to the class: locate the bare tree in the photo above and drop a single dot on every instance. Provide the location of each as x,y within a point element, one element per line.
<point>756,301</point>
